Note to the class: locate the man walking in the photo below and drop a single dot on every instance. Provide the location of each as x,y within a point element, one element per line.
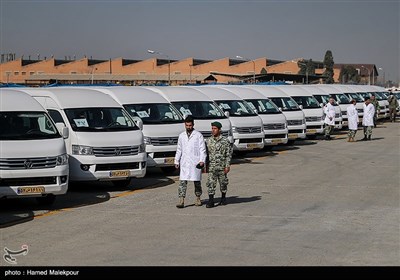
<point>368,119</point>
<point>329,121</point>
<point>393,104</point>
<point>352,119</point>
<point>219,155</point>
<point>190,157</point>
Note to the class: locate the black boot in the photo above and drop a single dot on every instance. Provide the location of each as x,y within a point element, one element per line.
<point>365,138</point>
<point>223,199</point>
<point>210,203</point>
<point>369,137</point>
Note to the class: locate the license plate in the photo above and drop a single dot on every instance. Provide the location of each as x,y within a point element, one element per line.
<point>30,190</point>
<point>276,141</point>
<point>311,131</point>
<point>119,173</point>
<point>169,160</point>
<point>292,135</point>
<point>252,146</point>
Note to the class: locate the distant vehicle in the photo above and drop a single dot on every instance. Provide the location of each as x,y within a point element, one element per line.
<point>33,157</point>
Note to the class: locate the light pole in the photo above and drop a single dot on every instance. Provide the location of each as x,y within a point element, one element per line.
<point>169,64</point>
<point>93,68</point>
<point>190,73</point>
<point>383,83</point>
<point>254,66</point>
<point>369,74</point>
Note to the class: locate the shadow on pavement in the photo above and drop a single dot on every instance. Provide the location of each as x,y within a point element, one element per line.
<point>237,199</point>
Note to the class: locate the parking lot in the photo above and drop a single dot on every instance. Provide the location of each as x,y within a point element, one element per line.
<point>314,203</point>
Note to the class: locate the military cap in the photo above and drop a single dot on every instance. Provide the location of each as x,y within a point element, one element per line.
<point>217,124</point>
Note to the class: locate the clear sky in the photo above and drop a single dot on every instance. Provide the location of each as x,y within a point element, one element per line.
<point>356,31</point>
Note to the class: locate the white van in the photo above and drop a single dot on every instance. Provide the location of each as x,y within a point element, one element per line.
<point>274,121</point>
<point>33,158</point>
<point>162,122</point>
<point>310,106</point>
<point>322,96</point>
<point>189,101</point>
<point>104,143</point>
<point>351,94</point>
<point>247,126</point>
<point>296,122</point>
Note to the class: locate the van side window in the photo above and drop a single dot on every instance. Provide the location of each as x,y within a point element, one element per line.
<point>56,116</point>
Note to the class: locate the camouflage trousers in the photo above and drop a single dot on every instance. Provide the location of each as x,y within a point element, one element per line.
<point>213,177</point>
<point>352,133</point>
<point>328,129</point>
<point>368,130</point>
<point>183,186</point>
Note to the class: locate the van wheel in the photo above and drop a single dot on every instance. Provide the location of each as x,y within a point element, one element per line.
<point>169,170</point>
<point>46,200</point>
<point>312,137</point>
<point>290,142</point>
<point>122,183</point>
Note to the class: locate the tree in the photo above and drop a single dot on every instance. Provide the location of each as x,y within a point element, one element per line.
<point>328,65</point>
<point>349,75</point>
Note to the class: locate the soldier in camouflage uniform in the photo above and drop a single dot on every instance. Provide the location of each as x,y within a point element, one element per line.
<point>376,106</point>
<point>219,155</point>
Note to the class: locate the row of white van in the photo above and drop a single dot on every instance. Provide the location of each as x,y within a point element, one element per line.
<point>114,133</point>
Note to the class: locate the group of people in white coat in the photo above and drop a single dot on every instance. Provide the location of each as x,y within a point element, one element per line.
<point>352,118</point>
<point>367,121</point>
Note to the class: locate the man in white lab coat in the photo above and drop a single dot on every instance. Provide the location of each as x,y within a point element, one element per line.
<point>329,121</point>
<point>368,119</point>
<point>353,120</point>
<point>190,158</point>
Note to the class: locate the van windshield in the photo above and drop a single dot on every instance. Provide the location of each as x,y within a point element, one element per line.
<point>236,108</point>
<point>341,98</point>
<point>27,126</point>
<point>100,119</point>
<point>355,96</point>
<point>380,96</point>
<point>286,103</point>
<point>155,113</point>
<point>199,109</point>
<point>263,106</point>
<point>308,102</point>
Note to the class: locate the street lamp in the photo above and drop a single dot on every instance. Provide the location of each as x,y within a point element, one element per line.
<point>254,66</point>
<point>169,64</point>
<point>190,73</point>
<point>93,68</point>
<point>369,74</point>
<point>384,82</point>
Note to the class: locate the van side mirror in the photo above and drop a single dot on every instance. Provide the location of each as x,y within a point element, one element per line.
<point>226,113</point>
<point>139,123</point>
<point>321,105</point>
<point>280,109</point>
<point>61,129</point>
<point>301,107</point>
<point>65,132</point>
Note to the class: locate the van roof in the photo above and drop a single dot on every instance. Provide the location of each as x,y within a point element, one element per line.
<point>66,97</point>
<point>268,91</point>
<point>133,95</point>
<point>176,94</point>
<point>294,90</point>
<point>16,100</point>
<point>216,93</point>
<point>246,93</point>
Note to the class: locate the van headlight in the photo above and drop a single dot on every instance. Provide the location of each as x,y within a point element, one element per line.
<point>303,121</point>
<point>234,129</point>
<point>147,140</point>
<point>62,160</point>
<point>82,150</point>
<point>142,148</point>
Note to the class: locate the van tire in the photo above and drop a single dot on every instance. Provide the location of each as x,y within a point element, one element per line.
<point>169,170</point>
<point>122,183</point>
<point>290,142</point>
<point>46,200</point>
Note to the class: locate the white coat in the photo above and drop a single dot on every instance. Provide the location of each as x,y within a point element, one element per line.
<point>329,111</point>
<point>189,152</point>
<point>352,117</point>
<point>368,118</point>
